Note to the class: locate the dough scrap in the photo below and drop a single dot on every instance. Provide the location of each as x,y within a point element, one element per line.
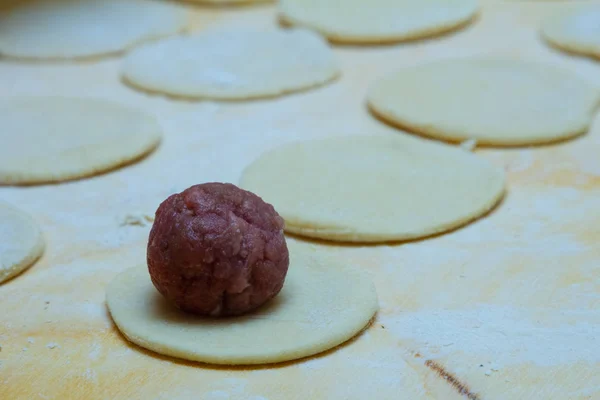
<point>374,189</point>
<point>496,102</point>
<point>319,307</point>
<point>577,31</point>
<point>69,29</point>
<point>21,242</point>
<point>469,144</point>
<point>378,21</point>
<point>231,65</point>
<point>137,219</point>
<point>52,139</point>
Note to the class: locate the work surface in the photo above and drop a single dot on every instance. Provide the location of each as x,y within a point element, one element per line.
<point>505,308</point>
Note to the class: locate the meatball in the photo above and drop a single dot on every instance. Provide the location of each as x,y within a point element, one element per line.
<point>217,250</point>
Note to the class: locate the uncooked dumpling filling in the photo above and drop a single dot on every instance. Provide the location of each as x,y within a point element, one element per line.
<point>217,250</point>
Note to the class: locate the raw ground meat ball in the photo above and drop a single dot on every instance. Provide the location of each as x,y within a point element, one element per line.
<point>217,250</point>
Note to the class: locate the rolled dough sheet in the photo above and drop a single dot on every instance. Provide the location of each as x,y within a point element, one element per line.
<point>320,306</point>
<point>496,102</point>
<point>21,242</point>
<point>52,139</point>
<point>65,29</point>
<point>378,21</point>
<point>577,31</point>
<point>232,64</point>
<point>374,189</point>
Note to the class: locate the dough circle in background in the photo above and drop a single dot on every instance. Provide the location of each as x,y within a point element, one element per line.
<point>378,21</point>
<point>374,189</point>
<point>232,65</point>
<point>65,29</point>
<point>496,102</point>
<point>21,242</point>
<point>53,139</point>
<point>577,31</point>
<point>228,2</point>
<point>319,307</point>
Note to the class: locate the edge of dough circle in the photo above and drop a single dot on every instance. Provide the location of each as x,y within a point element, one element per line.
<point>378,21</point>
<point>374,188</point>
<point>69,29</point>
<point>55,139</point>
<point>498,102</point>
<point>576,31</point>
<point>320,307</point>
<point>23,244</point>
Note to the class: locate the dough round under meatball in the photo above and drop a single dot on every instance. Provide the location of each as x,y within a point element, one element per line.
<point>217,250</point>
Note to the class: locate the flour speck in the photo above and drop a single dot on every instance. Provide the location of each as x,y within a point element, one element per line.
<point>96,350</point>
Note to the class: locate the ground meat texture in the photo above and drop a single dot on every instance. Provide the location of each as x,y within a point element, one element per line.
<point>217,250</point>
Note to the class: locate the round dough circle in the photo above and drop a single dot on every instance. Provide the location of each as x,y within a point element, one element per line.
<point>378,21</point>
<point>232,64</point>
<point>319,307</point>
<point>65,29</point>
<point>496,102</point>
<point>21,242</point>
<point>374,189</point>
<point>577,31</point>
<point>52,139</point>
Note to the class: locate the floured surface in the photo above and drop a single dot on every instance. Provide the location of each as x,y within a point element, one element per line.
<point>52,139</point>
<point>374,189</point>
<point>232,65</point>
<point>64,29</point>
<point>21,242</point>
<point>378,21</point>
<point>320,306</point>
<point>522,302</point>
<point>577,31</point>
<point>495,101</point>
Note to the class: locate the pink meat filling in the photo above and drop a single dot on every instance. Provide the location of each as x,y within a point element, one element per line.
<point>217,250</point>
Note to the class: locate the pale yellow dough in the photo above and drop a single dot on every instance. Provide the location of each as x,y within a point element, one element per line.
<point>65,29</point>
<point>320,306</point>
<point>232,65</point>
<point>21,242</point>
<point>577,31</point>
<point>495,102</point>
<point>374,189</point>
<point>51,139</point>
<point>378,21</point>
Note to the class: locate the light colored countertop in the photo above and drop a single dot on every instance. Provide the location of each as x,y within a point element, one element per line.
<point>506,308</point>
